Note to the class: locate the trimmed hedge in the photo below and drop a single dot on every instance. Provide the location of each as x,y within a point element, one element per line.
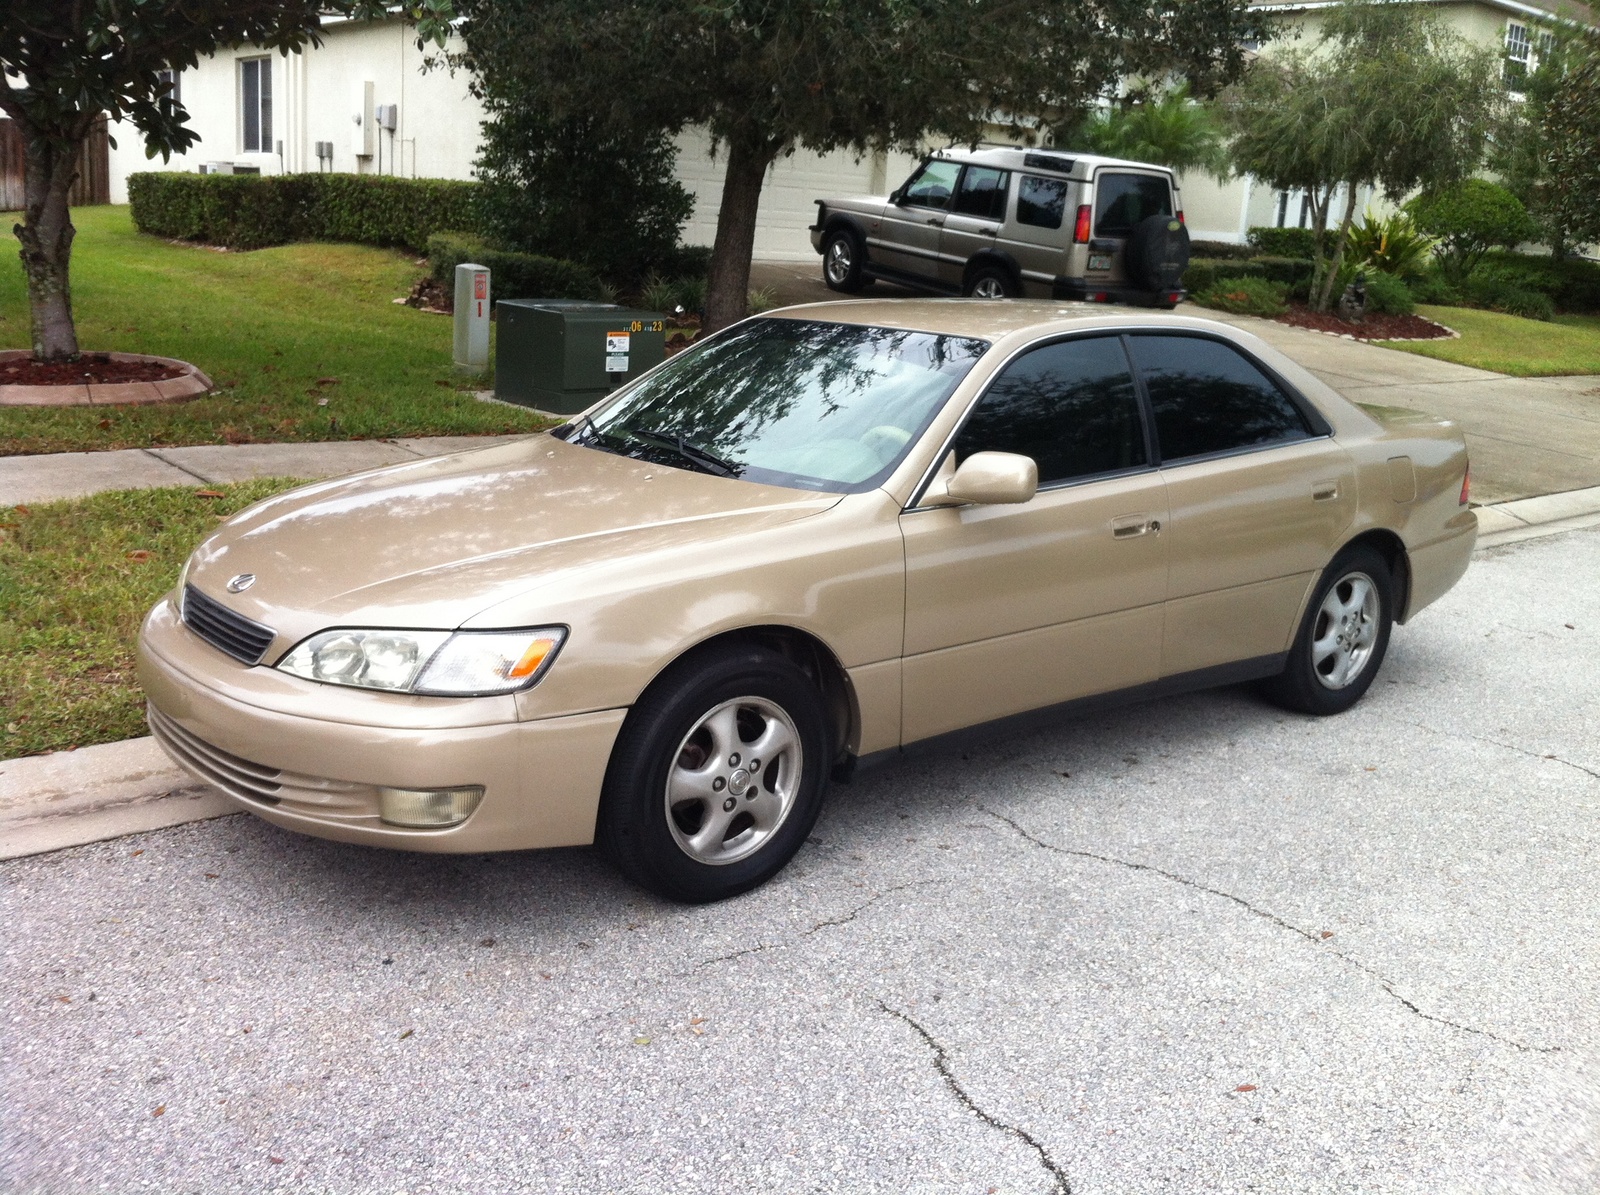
<point>1284,242</point>
<point>1225,249</point>
<point>1571,284</point>
<point>1246,295</point>
<point>511,275</point>
<point>1204,272</point>
<point>253,211</point>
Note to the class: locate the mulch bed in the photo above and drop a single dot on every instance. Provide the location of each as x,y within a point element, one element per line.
<point>97,368</point>
<point>429,294</point>
<point>1371,327</point>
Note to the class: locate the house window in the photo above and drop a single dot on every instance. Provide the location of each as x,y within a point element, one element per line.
<point>172,98</point>
<point>255,105</point>
<point>1519,49</point>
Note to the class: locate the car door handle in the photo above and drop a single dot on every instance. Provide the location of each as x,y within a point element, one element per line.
<point>1128,526</point>
<point>1324,491</point>
<point>937,223</point>
<point>988,232</point>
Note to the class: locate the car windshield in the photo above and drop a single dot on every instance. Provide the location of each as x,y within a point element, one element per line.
<point>798,403</point>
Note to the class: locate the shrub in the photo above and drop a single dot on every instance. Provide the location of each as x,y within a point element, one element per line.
<point>1246,296</point>
<point>1388,295</point>
<point>1469,219</point>
<point>512,275</point>
<point>1285,242</point>
<point>1392,245</point>
<point>1222,249</point>
<point>1203,273</point>
<point>1433,287</point>
<point>1573,284</point>
<point>254,211</point>
<point>1501,294</point>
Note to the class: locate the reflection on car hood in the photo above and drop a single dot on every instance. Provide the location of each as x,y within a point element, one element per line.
<point>432,543</point>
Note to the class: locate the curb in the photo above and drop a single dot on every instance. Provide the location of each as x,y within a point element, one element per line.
<point>72,798</point>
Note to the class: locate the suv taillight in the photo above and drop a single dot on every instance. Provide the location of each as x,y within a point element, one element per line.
<point>1080,233</point>
<point>1180,216</point>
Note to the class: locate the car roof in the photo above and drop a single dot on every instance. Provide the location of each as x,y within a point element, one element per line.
<point>1046,161</point>
<point>991,319</point>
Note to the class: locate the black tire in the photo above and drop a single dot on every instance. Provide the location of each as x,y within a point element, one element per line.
<point>842,258</point>
<point>1157,253</point>
<point>1310,683</point>
<point>665,742</point>
<point>996,280</point>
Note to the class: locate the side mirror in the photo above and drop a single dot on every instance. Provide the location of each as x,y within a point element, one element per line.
<point>987,479</point>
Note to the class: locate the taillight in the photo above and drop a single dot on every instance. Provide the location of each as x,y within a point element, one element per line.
<point>1080,234</point>
<point>1180,215</point>
<point>1466,485</point>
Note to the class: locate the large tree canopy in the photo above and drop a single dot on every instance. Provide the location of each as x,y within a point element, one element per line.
<point>63,62</point>
<point>1387,97</point>
<point>1570,133</point>
<point>765,77</point>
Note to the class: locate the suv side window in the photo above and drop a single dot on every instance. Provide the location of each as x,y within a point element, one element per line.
<point>1208,397</point>
<point>932,185</point>
<point>1122,200</point>
<point>1041,202</point>
<point>1071,406</point>
<point>982,193</point>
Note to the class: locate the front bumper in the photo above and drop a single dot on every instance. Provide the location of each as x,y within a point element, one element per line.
<point>311,758</point>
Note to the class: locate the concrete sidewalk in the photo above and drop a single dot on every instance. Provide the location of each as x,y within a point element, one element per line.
<point>1527,436</point>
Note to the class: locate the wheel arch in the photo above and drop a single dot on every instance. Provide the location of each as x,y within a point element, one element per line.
<point>808,653</point>
<point>1393,549</point>
<point>992,257</point>
<point>848,222</point>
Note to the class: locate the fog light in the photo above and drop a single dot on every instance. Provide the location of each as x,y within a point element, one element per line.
<point>428,807</point>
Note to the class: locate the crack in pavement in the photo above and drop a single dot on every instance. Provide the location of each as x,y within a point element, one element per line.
<point>1267,915</point>
<point>1457,734</point>
<point>941,1063</point>
<point>821,925</point>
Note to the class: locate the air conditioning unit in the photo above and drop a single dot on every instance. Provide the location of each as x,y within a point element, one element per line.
<point>216,168</point>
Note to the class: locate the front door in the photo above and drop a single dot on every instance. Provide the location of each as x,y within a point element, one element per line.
<point>1010,608</point>
<point>908,238</point>
<point>1259,500</point>
<point>973,225</point>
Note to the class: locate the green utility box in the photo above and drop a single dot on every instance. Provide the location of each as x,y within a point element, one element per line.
<point>562,355</point>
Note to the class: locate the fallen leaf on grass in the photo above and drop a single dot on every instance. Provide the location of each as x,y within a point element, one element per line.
<point>22,510</point>
<point>104,424</point>
<point>139,556</point>
<point>327,381</point>
<point>209,494</point>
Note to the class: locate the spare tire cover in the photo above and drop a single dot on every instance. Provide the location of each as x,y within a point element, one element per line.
<point>1157,253</point>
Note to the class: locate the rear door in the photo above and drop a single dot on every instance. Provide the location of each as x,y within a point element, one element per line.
<point>1259,498</point>
<point>973,225</point>
<point>1122,198</point>
<point>908,239</point>
<point>1039,231</point>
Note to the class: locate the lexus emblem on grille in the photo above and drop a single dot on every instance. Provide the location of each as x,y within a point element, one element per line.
<point>241,583</point>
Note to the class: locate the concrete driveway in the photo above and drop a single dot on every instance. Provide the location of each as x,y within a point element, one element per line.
<point>1194,945</point>
<point>1527,436</point>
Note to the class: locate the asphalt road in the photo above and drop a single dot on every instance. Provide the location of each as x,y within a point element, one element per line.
<point>1196,945</point>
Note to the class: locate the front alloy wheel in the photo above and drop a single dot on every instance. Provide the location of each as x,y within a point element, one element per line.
<point>734,780</point>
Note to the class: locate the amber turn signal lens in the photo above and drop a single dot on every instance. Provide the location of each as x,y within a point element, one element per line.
<point>531,659</point>
<point>1466,485</point>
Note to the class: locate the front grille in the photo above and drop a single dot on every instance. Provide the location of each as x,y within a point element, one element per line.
<point>228,632</point>
<point>312,795</point>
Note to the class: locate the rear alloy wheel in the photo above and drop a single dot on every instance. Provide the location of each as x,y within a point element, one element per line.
<point>841,261</point>
<point>717,777</point>
<point>1343,638</point>
<point>991,282</point>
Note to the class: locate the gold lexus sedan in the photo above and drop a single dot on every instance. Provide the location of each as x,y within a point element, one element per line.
<point>822,535</point>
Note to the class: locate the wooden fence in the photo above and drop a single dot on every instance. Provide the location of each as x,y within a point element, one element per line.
<point>94,168</point>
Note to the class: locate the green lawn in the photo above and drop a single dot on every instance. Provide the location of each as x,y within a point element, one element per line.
<point>76,579</point>
<point>267,326</point>
<point>1570,344</point>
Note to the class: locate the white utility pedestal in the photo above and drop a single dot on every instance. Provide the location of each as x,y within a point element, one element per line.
<point>472,317</point>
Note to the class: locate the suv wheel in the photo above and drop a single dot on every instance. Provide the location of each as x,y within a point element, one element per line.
<point>991,282</point>
<point>841,261</point>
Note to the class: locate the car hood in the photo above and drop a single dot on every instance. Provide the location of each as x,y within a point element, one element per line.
<point>432,543</point>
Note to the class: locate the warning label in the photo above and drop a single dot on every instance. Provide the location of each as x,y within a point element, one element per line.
<point>616,342</point>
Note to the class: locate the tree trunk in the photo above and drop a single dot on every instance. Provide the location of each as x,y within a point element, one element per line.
<point>46,238</point>
<point>1324,296</point>
<point>728,287</point>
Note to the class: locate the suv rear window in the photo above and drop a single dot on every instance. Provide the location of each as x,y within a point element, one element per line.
<point>1041,201</point>
<point>1122,200</point>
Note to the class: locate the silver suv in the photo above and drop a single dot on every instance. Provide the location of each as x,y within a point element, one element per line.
<point>1002,223</point>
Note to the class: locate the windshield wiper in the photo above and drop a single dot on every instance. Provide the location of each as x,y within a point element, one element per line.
<point>690,452</point>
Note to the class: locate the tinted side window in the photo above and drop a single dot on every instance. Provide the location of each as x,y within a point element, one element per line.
<point>1207,397</point>
<point>1122,200</point>
<point>1041,201</point>
<point>982,193</point>
<point>932,185</point>
<point>1071,406</point>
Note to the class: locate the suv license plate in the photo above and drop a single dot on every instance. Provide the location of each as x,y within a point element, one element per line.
<point>1099,261</point>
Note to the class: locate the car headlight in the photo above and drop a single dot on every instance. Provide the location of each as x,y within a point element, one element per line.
<point>437,663</point>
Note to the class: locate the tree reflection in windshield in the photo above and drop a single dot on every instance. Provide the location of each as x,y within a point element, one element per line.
<point>790,402</point>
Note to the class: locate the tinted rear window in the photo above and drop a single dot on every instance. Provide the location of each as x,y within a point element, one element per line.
<point>1207,397</point>
<point>1041,201</point>
<point>1122,200</point>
